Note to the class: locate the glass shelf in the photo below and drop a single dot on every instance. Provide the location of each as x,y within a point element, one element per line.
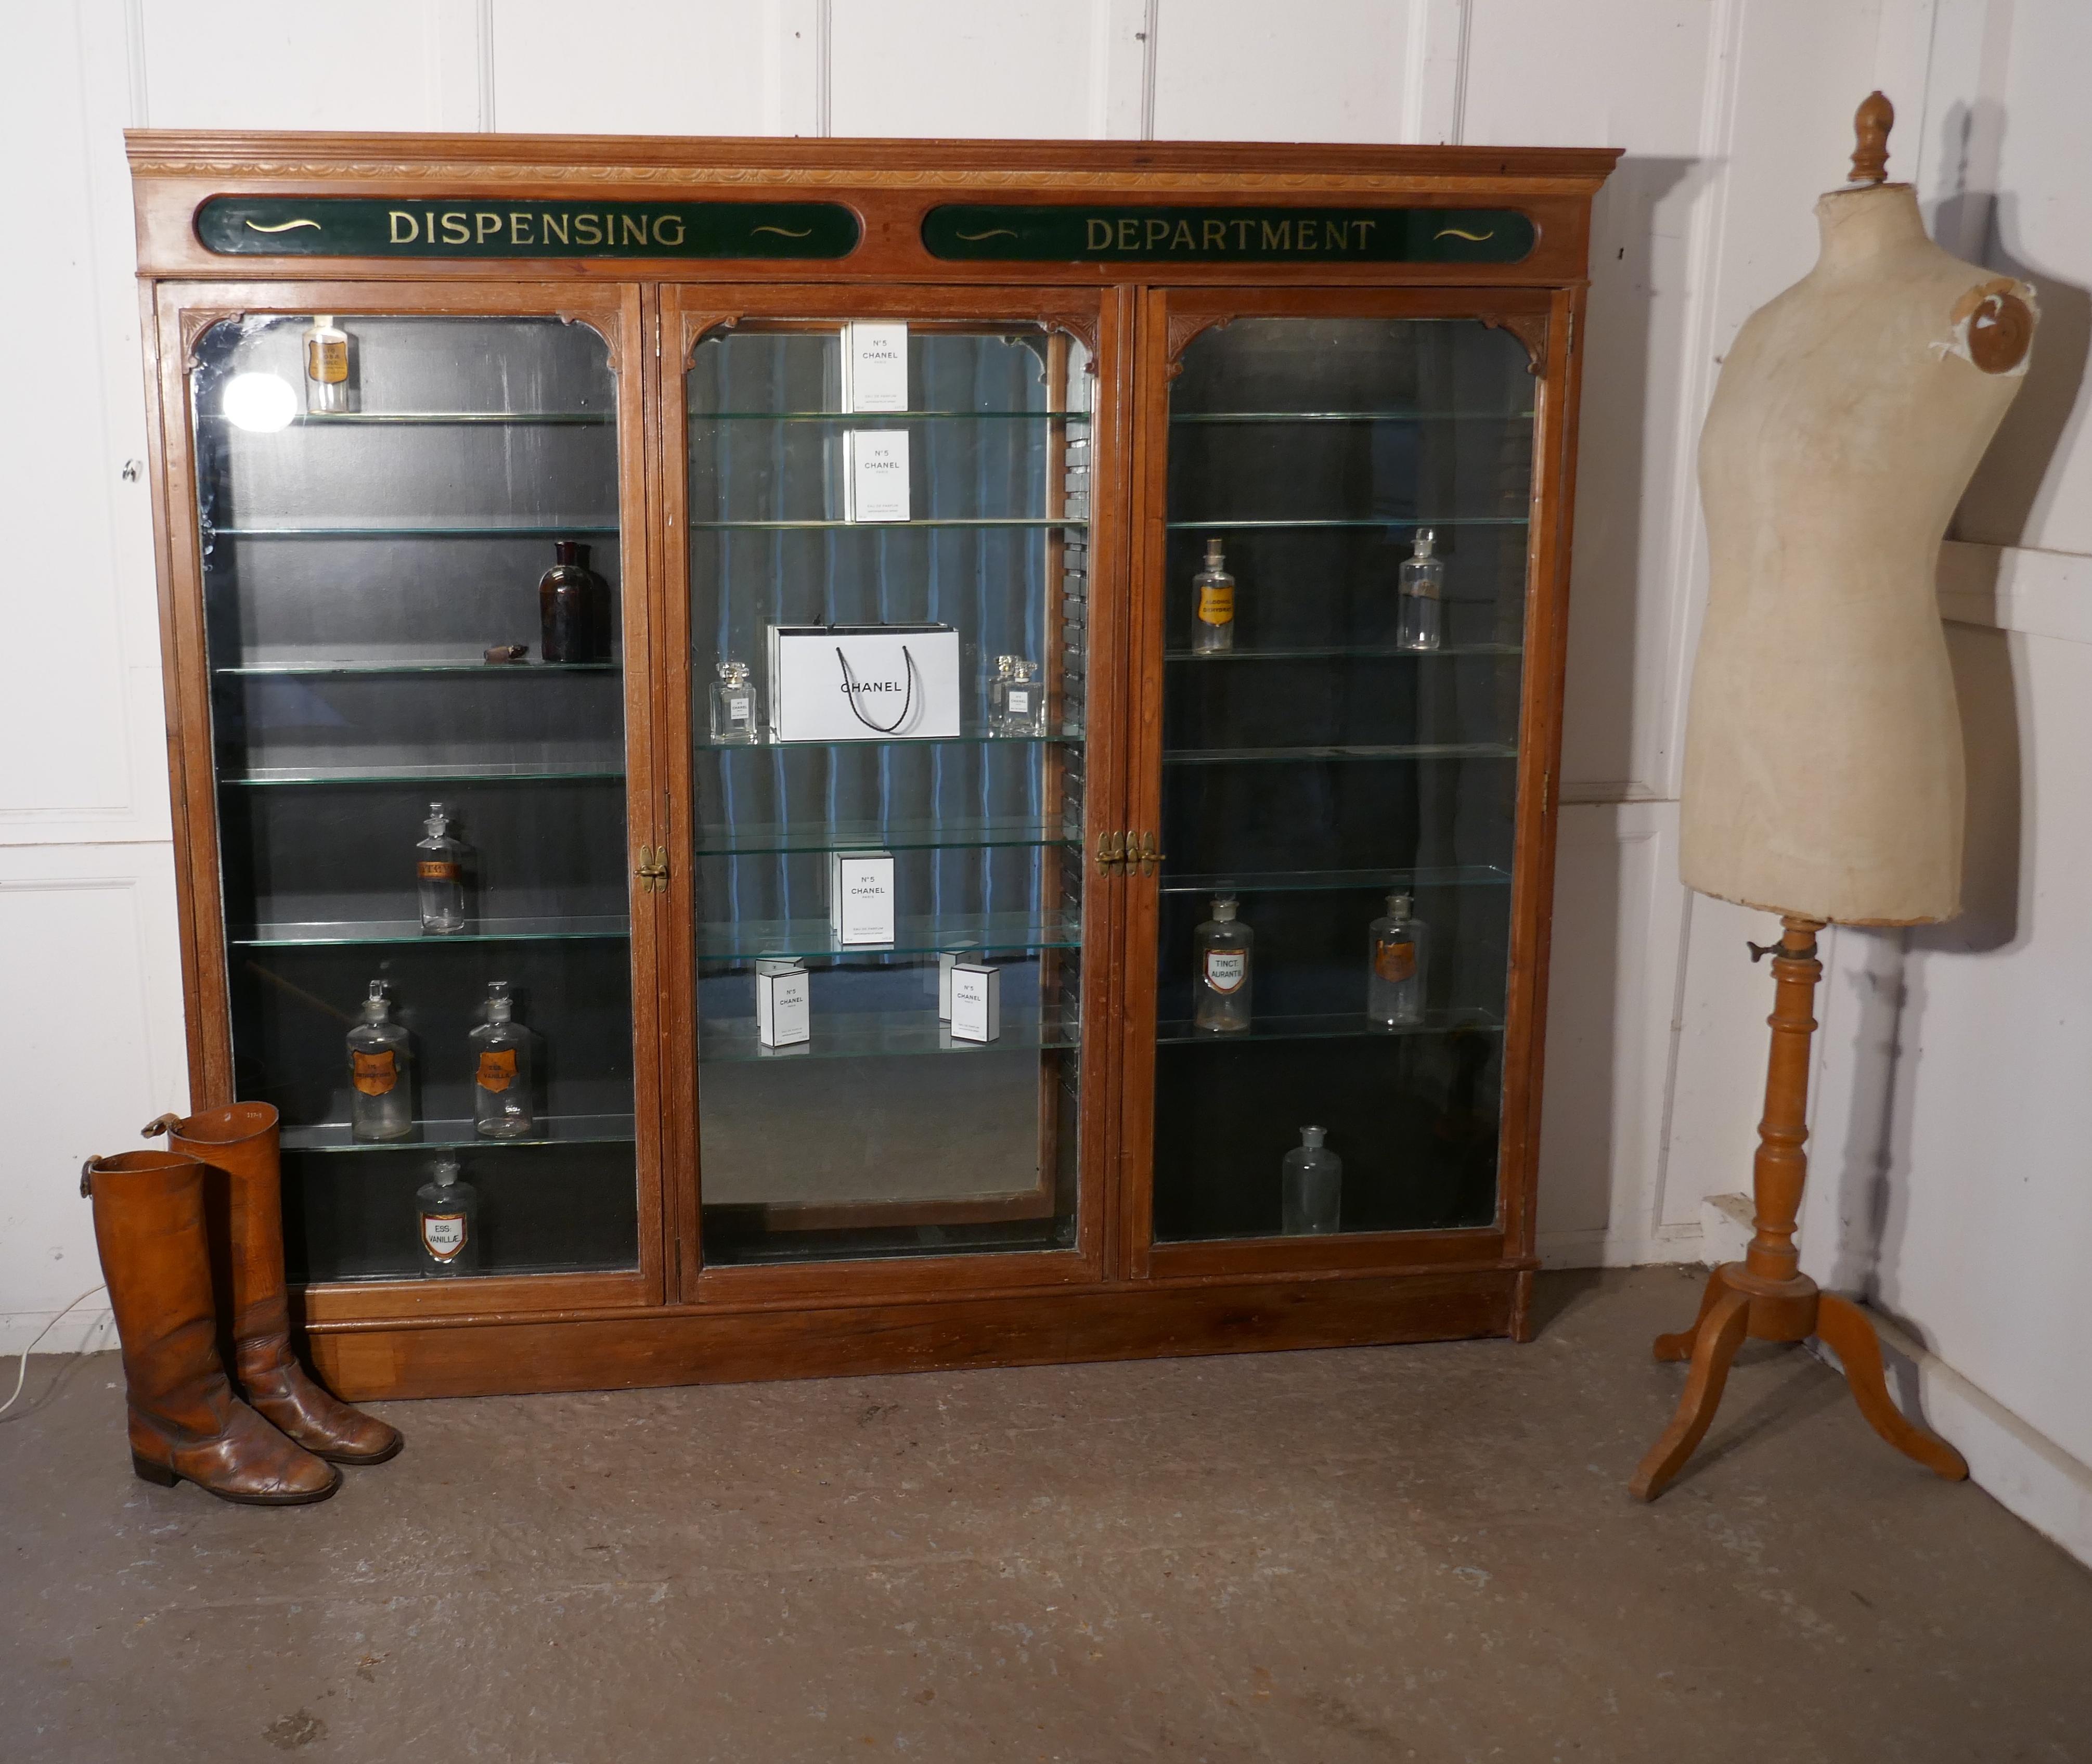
<point>1352,416</point>
<point>984,523</point>
<point>1203,756</point>
<point>316,933</point>
<point>751,839</point>
<point>379,419</point>
<point>974,933</point>
<point>1405,520</point>
<point>532,530</point>
<point>974,737</point>
<point>854,1034</point>
<point>1290,881</point>
<point>335,669</point>
<point>457,1136</point>
<point>863,417</point>
<point>1341,652</point>
<point>1334,1025</point>
<point>522,772</point>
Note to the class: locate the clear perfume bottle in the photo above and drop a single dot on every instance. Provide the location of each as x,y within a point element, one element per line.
<point>327,366</point>
<point>440,873</point>
<point>380,1100</point>
<point>1023,700</point>
<point>1213,629</point>
<point>1310,1187</point>
<point>998,695</point>
<point>1220,971</point>
<point>566,606</point>
<point>734,706</point>
<point>1422,591</point>
<point>1394,966</point>
<point>501,1071</point>
<point>447,1221</point>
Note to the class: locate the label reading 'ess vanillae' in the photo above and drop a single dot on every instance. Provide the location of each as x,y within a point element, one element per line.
<point>1058,233</point>
<point>480,227</point>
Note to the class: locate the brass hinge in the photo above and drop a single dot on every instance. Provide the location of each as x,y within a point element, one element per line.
<point>1111,853</point>
<point>653,869</point>
<point>1149,852</point>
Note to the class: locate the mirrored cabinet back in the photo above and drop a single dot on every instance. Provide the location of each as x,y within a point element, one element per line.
<point>800,757</point>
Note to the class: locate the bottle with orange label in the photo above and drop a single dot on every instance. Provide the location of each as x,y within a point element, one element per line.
<point>1213,626</point>
<point>501,1071</point>
<point>1394,967</point>
<point>440,873</point>
<point>1220,952</point>
<point>327,367</point>
<point>447,1215</point>
<point>381,1098</point>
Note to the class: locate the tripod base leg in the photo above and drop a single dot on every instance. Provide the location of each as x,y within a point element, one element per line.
<point>1721,1333</point>
<point>1845,1328</point>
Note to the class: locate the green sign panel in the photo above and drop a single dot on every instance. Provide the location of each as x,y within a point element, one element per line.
<point>1041,233</point>
<point>486,227</point>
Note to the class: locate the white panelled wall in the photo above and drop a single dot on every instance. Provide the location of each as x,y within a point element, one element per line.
<point>1950,1181</point>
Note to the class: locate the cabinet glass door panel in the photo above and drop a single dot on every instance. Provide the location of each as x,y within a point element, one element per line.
<point>405,813</point>
<point>1338,774</point>
<point>877,1113</point>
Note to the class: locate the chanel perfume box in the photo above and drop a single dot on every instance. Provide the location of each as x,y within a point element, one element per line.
<point>861,896</point>
<point>875,366</point>
<point>875,476</point>
<point>976,1001</point>
<point>784,1004</point>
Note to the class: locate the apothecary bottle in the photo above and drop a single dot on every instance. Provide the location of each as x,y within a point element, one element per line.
<point>1024,702</point>
<point>327,366</point>
<point>1221,953</point>
<point>381,1096</point>
<point>501,1071</point>
<point>439,873</point>
<point>1394,966</point>
<point>734,706</point>
<point>1310,1187</point>
<point>566,606</point>
<point>1214,621</point>
<point>1423,594</point>
<point>447,1221</point>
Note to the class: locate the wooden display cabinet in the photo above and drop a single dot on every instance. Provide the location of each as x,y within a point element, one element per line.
<point>1114,352</point>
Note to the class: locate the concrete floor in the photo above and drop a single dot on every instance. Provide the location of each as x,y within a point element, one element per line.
<point>1421,1553</point>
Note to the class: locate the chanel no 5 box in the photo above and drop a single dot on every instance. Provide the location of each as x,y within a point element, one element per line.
<point>875,366</point>
<point>861,896</point>
<point>784,1004</point>
<point>976,1001</point>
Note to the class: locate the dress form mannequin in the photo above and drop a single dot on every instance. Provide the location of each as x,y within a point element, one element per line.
<point>1823,763</point>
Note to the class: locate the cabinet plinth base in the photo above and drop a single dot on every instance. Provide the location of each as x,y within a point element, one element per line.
<point>702,1345</point>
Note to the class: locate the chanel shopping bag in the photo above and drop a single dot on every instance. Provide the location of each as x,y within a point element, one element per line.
<point>863,682</point>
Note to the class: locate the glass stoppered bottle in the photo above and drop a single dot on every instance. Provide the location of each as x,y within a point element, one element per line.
<point>1394,966</point>
<point>327,366</point>
<point>1221,950</point>
<point>1310,1187</point>
<point>1423,593</point>
<point>1024,702</point>
<point>381,1098</point>
<point>501,1071</point>
<point>734,706</point>
<point>1213,623</point>
<point>998,694</point>
<point>439,873</point>
<point>566,605</point>
<point>447,1221</point>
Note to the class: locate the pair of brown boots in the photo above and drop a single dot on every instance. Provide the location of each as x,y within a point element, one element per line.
<point>163,1222</point>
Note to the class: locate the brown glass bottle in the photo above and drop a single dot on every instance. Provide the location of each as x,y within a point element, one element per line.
<point>566,605</point>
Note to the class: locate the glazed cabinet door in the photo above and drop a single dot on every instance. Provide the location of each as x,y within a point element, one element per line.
<point>895,954</point>
<point>1345,644</point>
<point>407,544</point>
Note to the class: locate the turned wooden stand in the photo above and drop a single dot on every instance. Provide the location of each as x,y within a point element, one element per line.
<point>1766,1296</point>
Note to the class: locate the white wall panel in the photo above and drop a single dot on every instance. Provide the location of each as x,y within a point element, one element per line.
<point>92,1040</point>
<point>904,67</point>
<point>626,67</point>
<point>253,64</point>
<point>1315,69</point>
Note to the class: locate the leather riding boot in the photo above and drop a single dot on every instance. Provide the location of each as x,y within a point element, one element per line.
<point>239,1143</point>
<point>185,1421</point>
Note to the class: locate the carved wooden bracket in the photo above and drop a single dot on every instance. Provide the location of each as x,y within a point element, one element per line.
<point>1183,327</point>
<point>697,326</point>
<point>609,335</point>
<point>1082,325</point>
<point>1531,330</point>
<point>196,320</point>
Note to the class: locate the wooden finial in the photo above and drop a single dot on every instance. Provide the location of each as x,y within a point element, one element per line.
<point>1871,123</point>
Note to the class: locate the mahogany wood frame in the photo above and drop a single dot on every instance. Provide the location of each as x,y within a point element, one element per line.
<point>1114,1294</point>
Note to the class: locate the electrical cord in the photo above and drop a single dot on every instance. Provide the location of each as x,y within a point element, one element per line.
<point>22,1377</point>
